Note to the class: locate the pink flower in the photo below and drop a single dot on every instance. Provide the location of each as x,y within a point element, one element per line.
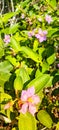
<point>41,35</point>
<point>31,33</point>
<point>48,18</point>
<point>29,101</point>
<point>7,39</point>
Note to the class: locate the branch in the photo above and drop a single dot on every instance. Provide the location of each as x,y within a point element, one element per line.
<point>2,3</point>
<point>12,5</point>
<point>13,20</point>
<point>43,128</point>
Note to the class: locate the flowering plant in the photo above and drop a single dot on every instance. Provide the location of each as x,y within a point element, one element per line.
<point>29,65</point>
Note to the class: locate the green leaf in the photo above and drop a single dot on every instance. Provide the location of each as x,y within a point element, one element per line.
<point>4,76</point>
<point>41,50</point>
<point>5,68</point>
<point>51,59</point>
<point>49,83</point>
<point>5,30</point>
<point>1,48</point>
<point>57,12</point>
<point>57,126</point>
<point>30,53</point>
<point>45,66</point>
<point>45,118</point>
<point>35,45</point>
<point>5,97</point>
<point>1,23</point>
<point>13,28</point>
<point>36,7</point>
<point>18,83</point>
<point>38,73</point>
<point>52,31</point>
<point>52,3</point>
<point>7,16</point>
<point>39,82</point>
<point>15,45</point>
<point>12,60</point>
<point>27,122</point>
<point>23,74</point>
<point>41,95</point>
<point>1,52</point>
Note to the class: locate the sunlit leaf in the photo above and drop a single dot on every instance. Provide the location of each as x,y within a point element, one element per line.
<point>51,59</point>
<point>13,28</point>
<point>39,82</point>
<point>15,45</point>
<point>27,121</point>
<point>23,74</point>
<point>5,68</point>
<point>7,16</point>
<point>45,118</point>
<point>18,83</point>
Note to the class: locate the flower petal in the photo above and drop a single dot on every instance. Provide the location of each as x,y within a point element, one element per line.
<point>40,31</point>
<point>7,39</point>
<point>24,108</point>
<point>37,35</point>
<point>8,105</point>
<point>48,18</point>
<point>45,32</point>
<point>24,95</point>
<point>41,39</point>
<point>35,99</point>
<point>32,109</point>
<point>30,91</point>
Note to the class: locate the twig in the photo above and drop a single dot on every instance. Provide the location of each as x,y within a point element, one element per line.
<point>12,5</point>
<point>43,128</point>
<point>2,6</point>
<point>14,18</point>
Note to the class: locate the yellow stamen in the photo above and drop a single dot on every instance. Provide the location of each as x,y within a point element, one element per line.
<point>30,99</point>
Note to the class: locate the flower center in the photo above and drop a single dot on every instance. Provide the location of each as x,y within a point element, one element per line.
<point>41,34</point>
<point>30,99</point>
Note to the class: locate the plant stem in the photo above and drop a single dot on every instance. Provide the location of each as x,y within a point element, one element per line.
<point>43,128</point>
<point>12,5</point>
<point>2,3</point>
